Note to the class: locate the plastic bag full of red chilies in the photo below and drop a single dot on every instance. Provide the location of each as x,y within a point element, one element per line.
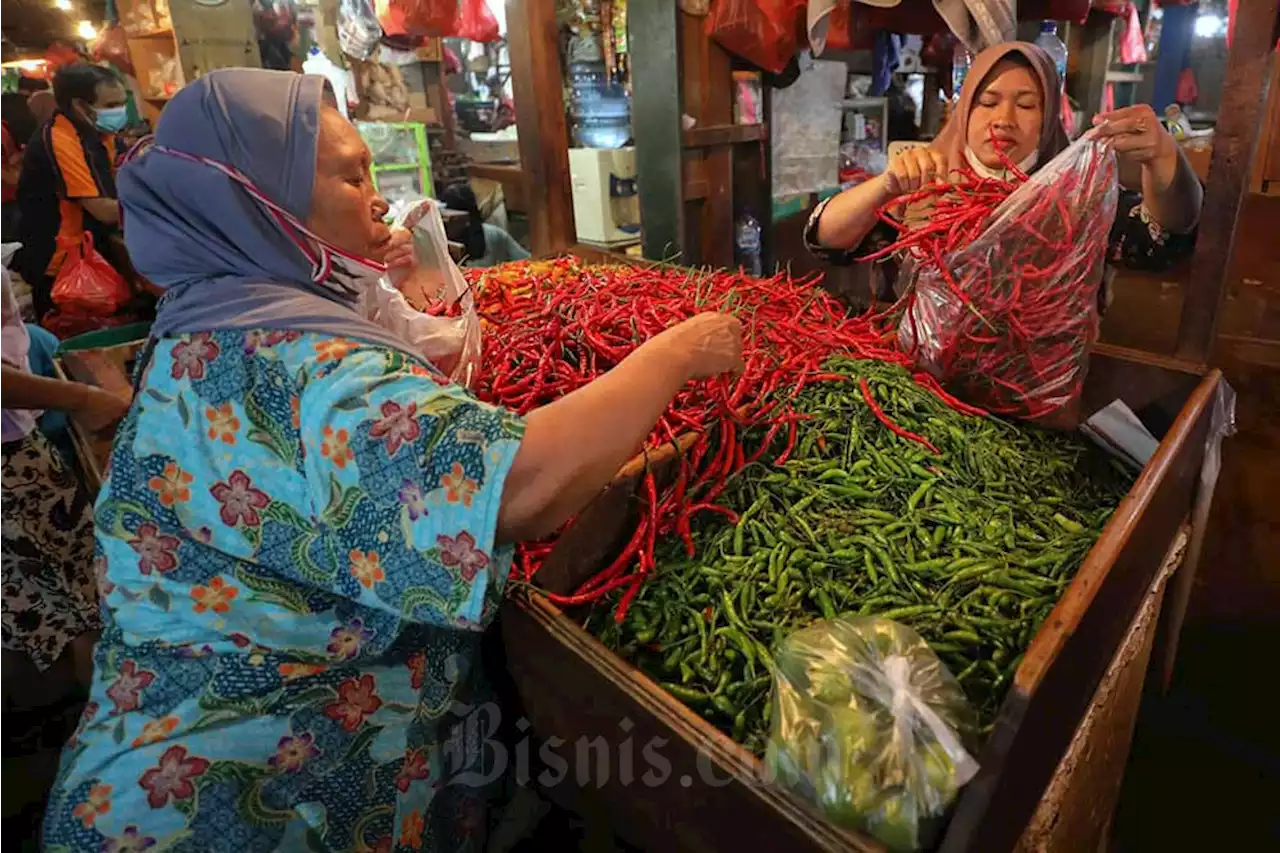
<point>1006,321</point>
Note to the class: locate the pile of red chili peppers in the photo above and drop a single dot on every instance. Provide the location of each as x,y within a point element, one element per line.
<point>1004,275</point>
<point>554,326</point>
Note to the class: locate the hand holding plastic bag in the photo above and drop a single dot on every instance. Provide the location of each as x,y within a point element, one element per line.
<point>87,284</point>
<point>868,724</point>
<point>1007,320</point>
<point>444,327</point>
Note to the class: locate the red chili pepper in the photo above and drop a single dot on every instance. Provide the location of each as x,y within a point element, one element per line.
<point>884,419</point>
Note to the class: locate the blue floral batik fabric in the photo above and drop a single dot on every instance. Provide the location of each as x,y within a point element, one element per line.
<point>296,556</point>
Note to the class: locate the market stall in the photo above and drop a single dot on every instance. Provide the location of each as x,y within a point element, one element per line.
<point>917,496</point>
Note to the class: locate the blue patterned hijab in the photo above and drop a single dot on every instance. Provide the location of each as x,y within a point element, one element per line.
<point>213,212</point>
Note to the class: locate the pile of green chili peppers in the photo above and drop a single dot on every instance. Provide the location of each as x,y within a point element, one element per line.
<point>972,548</point>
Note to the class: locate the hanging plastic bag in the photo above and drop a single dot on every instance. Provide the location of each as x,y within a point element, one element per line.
<point>87,284</point>
<point>1133,46</point>
<point>431,307</point>
<point>113,47</point>
<point>418,17</point>
<point>869,725</point>
<point>1007,320</point>
<point>476,22</point>
<point>1187,91</point>
<point>358,29</point>
<point>763,32</point>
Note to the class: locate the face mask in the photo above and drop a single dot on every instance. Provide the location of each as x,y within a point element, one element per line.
<point>111,119</point>
<point>349,275</point>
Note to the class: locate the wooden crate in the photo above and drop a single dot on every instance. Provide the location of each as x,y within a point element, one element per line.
<point>713,795</point>
<point>107,368</point>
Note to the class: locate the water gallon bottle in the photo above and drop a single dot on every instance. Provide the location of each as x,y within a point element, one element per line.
<point>747,243</point>
<point>1052,45</point>
<point>961,59</point>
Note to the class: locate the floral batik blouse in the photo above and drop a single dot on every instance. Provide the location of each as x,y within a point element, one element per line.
<point>1136,242</point>
<point>296,556</point>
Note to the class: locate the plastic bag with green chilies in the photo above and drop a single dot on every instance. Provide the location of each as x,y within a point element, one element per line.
<point>869,725</point>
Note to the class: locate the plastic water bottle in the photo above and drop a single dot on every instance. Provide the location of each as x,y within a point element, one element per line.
<point>1052,45</point>
<point>747,241</point>
<point>961,59</point>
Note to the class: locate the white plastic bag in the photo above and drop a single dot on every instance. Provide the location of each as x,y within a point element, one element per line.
<point>868,724</point>
<point>358,29</point>
<point>444,325</point>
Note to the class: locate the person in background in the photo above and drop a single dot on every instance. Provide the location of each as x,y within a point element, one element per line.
<point>485,245</point>
<point>1009,99</point>
<point>67,184</point>
<point>19,122</point>
<point>50,597</point>
<point>306,527</point>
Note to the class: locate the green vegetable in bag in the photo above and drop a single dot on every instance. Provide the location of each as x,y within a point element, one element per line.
<point>869,725</point>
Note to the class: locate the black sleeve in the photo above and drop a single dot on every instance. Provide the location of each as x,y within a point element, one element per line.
<point>877,238</point>
<point>1139,242</point>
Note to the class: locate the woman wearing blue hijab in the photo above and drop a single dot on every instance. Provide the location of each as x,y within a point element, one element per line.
<point>305,527</point>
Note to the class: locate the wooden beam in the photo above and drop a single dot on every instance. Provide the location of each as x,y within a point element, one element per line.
<point>1092,61</point>
<point>1244,95</point>
<point>717,135</point>
<point>656,105</point>
<point>533,42</point>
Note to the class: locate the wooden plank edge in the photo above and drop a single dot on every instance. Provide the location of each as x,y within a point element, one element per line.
<point>1080,593</point>
<point>727,755</point>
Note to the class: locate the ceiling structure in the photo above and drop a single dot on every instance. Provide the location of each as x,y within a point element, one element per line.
<point>29,26</point>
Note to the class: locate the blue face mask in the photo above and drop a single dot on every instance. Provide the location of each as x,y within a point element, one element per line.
<point>111,119</point>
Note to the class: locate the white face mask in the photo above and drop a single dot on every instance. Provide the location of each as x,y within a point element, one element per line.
<point>333,268</point>
<point>983,171</point>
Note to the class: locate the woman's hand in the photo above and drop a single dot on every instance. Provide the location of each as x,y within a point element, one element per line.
<point>575,445</point>
<point>1148,157</point>
<point>710,343</point>
<point>99,409</point>
<point>400,253</point>
<point>912,169</point>
<point>1137,136</point>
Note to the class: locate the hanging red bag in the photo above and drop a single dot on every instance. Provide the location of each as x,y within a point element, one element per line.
<point>476,22</point>
<point>1187,91</point>
<point>417,17</point>
<point>763,32</point>
<point>87,284</point>
<point>838,27</point>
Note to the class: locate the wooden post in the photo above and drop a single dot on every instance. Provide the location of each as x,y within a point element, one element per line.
<point>1244,95</point>
<point>533,41</point>
<point>1092,59</point>
<point>656,106</point>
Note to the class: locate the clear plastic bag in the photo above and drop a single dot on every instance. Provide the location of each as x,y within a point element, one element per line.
<point>869,725</point>
<point>1007,322</point>
<point>431,306</point>
<point>358,29</point>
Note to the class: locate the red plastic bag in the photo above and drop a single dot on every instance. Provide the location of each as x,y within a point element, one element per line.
<point>476,22</point>
<point>1187,91</point>
<point>87,284</point>
<point>763,32</point>
<point>1006,321</point>
<point>113,46</point>
<point>418,17</point>
<point>1133,45</point>
<point>838,27</point>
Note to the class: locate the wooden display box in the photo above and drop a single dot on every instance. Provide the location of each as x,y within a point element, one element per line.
<point>709,794</point>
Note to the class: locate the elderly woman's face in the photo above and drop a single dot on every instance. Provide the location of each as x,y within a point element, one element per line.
<point>346,210</point>
<point>1008,112</point>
